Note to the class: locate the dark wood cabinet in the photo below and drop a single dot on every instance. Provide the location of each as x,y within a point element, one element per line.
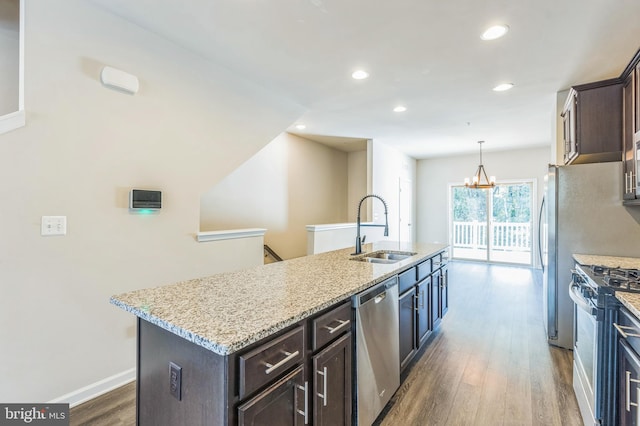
<point>423,317</point>
<point>592,117</point>
<point>436,317</point>
<point>422,307</point>
<point>627,370</point>
<point>444,292</point>
<point>628,133</point>
<point>278,405</point>
<point>407,316</point>
<point>332,384</point>
<point>631,131</point>
<point>628,385</point>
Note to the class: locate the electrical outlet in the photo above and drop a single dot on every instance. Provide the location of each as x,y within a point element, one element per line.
<point>53,225</point>
<point>175,380</point>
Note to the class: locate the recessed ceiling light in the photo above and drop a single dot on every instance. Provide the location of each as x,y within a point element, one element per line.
<point>360,74</point>
<point>494,32</point>
<point>400,108</point>
<point>300,126</point>
<point>502,87</point>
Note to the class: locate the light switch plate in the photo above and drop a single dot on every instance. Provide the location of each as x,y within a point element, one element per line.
<point>53,225</point>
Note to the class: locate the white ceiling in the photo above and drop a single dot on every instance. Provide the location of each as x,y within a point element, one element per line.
<point>424,54</point>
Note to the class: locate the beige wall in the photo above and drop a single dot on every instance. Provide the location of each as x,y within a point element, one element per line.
<point>388,166</point>
<point>82,149</point>
<point>357,186</point>
<point>290,183</point>
<point>435,175</point>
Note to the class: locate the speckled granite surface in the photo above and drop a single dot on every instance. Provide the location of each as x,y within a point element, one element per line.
<point>226,312</point>
<point>631,301</point>
<point>609,261</point>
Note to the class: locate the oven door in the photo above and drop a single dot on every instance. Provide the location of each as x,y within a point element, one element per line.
<point>585,355</point>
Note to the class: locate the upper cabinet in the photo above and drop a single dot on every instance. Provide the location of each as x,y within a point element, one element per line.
<point>592,123</point>
<point>631,131</point>
<point>12,113</point>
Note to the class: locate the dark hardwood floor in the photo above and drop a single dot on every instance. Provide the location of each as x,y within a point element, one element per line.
<point>488,365</point>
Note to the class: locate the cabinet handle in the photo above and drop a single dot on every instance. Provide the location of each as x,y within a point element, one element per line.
<point>627,392</point>
<point>626,183</point>
<point>288,357</point>
<point>343,323</point>
<point>422,299</point>
<point>623,333</point>
<point>304,413</point>
<point>323,395</point>
<point>416,305</point>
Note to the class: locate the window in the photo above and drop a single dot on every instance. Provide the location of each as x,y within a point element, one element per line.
<point>494,224</point>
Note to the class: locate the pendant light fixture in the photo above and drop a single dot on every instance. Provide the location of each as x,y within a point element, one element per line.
<point>476,181</point>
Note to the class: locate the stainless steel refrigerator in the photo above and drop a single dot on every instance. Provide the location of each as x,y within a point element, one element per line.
<point>581,212</point>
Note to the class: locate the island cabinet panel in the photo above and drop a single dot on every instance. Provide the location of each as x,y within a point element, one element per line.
<point>423,317</point>
<point>332,384</point>
<point>444,292</point>
<point>407,321</point>
<point>407,279</point>
<point>331,325</point>
<point>424,269</point>
<point>436,295</point>
<point>203,387</point>
<point>268,361</point>
<point>278,405</point>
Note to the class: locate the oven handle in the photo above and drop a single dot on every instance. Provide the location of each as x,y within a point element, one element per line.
<point>625,334</point>
<point>579,300</point>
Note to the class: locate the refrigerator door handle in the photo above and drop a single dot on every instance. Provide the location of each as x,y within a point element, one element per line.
<point>540,234</point>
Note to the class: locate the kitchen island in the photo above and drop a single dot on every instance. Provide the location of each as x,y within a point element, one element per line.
<point>200,341</point>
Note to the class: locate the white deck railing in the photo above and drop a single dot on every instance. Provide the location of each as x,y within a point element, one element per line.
<point>505,236</point>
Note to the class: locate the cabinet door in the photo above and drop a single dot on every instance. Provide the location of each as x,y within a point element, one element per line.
<point>569,128</point>
<point>284,403</point>
<point>332,384</point>
<point>628,385</point>
<point>422,310</point>
<point>628,145</point>
<point>407,327</point>
<point>435,299</point>
<point>444,292</point>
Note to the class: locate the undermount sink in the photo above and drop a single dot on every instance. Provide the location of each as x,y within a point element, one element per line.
<point>384,256</point>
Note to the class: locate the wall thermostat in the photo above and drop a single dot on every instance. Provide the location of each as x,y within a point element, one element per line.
<point>145,199</point>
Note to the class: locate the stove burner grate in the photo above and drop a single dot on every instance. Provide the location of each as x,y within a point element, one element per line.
<point>618,278</point>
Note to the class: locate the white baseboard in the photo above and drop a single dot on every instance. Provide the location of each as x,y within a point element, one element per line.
<point>96,389</point>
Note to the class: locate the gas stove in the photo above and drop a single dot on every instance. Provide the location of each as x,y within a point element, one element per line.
<point>609,280</point>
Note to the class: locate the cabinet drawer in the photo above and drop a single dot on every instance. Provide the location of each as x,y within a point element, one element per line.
<point>629,325</point>
<point>330,326</point>
<point>424,269</point>
<point>267,362</point>
<point>406,280</point>
<point>439,261</point>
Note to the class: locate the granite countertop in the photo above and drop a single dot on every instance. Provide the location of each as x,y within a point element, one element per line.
<point>608,261</point>
<point>228,311</point>
<point>630,300</point>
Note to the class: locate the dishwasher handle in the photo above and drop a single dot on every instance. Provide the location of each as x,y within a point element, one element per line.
<point>375,294</point>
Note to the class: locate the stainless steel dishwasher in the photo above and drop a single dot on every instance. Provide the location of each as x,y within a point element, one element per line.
<point>377,349</point>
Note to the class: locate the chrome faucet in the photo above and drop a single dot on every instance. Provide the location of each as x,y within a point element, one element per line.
<point>359,240</point>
